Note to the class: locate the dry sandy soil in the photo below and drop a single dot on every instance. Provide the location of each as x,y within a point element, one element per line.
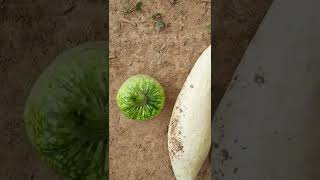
<point>138,150</point>
<point>32,33</point>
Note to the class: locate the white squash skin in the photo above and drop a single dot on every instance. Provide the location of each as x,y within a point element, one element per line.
<point>190,122</point>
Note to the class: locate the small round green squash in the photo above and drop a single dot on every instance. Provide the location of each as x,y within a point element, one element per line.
<point>141,97</point>
<point>66,114</point>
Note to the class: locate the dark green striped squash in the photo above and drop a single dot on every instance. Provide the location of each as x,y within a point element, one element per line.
<point>66,114</point>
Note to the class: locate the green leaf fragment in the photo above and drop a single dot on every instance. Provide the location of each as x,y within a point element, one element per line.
<point>160,25</point>
<point>139,5</point>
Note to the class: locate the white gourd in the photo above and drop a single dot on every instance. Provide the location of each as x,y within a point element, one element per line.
<point>189,133</point>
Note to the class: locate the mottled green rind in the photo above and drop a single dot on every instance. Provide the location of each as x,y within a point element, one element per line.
<point>66,114</point>
<point>135,88</point>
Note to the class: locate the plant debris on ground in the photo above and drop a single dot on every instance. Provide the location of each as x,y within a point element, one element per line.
<point>159,23</point>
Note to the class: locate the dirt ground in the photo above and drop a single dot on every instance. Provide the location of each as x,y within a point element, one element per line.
<point>138,150</point>
<point>32,33</point>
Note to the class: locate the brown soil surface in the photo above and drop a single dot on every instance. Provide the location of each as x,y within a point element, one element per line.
<point>138,150</point>
<point>32,33</point>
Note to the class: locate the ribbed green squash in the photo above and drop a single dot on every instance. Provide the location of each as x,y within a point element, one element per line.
<point>66,114</point>
<point>141,97</point>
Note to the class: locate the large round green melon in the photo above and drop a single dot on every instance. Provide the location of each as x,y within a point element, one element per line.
<point>66,114</point>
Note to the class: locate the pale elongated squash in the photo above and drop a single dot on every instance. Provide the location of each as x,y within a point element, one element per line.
<point>189,133</point>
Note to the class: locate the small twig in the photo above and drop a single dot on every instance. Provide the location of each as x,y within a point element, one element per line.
<point>112,57</point>
<point>138,57</point>
<point>120,27</point>
<point>69,10</point>
<point>124,131</point>
<point>129,22</point>
<point>129,11</point>
<point>163,46</point>
<point>173,2</point>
